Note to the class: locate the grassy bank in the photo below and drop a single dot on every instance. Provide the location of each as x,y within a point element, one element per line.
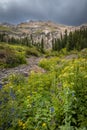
<point>13,55</point>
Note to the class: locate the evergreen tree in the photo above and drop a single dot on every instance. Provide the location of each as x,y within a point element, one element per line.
<point>53,48</point>
<point>69,45</point>
<point>42,45</point>
<point>64,40</point>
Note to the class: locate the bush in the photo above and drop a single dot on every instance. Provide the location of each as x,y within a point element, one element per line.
<point>49,63</point>
<point>15,60</point>
<point>32,52</point>
<point>10,57</point>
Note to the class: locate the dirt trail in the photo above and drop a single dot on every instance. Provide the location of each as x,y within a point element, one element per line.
<point>32,64</point>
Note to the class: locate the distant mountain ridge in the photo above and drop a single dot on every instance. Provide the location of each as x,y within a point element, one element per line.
<point>38,30</point>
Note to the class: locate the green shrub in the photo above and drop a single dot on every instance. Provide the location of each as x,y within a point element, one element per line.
<point>32,52</point>
<point>14,60</point>
<point>10,56</point>
<point>49,63</point>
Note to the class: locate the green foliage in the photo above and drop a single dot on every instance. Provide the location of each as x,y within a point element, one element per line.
<point>14,60</point>
<point>27,41</point>
<point>14,55</point>
<point>11,56</point>
<point>42,45</point>
<point>32,52</point>
<point>48,63</point>
<point>75,40</point>
<point>47,101</point>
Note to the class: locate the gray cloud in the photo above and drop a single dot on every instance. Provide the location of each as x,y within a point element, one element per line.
<point>70,12</point>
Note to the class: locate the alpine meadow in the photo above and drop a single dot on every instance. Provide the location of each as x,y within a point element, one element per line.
<point>43,65</point>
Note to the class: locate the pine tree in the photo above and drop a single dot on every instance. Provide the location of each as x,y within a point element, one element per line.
<point>69,45</point>
<point>42,45</point>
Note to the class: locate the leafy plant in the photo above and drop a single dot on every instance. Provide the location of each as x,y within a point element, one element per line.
<point>47,101</point>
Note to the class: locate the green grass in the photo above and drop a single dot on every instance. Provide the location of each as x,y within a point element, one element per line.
<point>14,55</point>
<point>3,28</point>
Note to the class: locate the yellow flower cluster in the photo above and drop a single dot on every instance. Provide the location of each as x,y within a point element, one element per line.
<point>70,70</point>
<point>28,97</point>
<point>44,124</point>
<point>28,101</point>
<point>21,124</point>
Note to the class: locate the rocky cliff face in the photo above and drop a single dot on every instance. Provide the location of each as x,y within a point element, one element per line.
<point>38,30</point>
<point>45,30</point>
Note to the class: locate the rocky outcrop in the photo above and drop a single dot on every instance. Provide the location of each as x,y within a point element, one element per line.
<point>46,30</point>
<point>38,30</point>
<point>25,70</point>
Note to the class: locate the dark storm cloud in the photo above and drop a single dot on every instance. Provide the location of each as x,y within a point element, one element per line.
<point>71,12</point>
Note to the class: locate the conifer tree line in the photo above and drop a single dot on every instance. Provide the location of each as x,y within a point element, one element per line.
<point>27,41</point>
<point>24,41</point>
<point>74,40</point>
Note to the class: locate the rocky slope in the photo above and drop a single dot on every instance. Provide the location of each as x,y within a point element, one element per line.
<point>38,30</point>
<point>32,65</point>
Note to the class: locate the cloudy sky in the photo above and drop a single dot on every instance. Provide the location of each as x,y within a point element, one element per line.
<point>69,12</point>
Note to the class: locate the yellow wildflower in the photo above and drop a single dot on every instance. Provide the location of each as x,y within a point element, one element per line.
<point>65,75</point>
<point>36,129</point>
<point>65,85</point>
<point>28,96</point>
<point>44,124</point>
<point>29,105</point>
<point>85,76</point>
<point>24,126</point>
<point>20,123</point>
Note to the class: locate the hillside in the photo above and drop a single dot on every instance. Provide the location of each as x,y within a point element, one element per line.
<point>43,76</point>
<point>52,97</point>
<point>36,30</point>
